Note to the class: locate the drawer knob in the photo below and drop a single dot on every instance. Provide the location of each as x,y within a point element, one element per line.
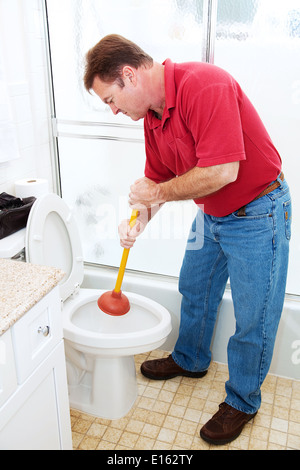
<point>44,330</point>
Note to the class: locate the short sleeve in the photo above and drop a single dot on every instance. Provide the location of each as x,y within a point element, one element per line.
<point>213,117</point>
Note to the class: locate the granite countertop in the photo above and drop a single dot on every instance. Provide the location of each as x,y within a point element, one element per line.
<point>22,285</point>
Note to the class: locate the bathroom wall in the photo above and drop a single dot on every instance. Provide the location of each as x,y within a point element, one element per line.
<point>23,54</point>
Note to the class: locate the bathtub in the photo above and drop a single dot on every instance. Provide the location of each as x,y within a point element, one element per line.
<point>163,289</point>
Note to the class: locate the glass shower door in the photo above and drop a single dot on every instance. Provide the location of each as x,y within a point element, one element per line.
<point>101,155</point>
<point>258,42</point>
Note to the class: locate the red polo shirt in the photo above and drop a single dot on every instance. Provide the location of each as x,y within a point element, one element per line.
<point>207,121</point>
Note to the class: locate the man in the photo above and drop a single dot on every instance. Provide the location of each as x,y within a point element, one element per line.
<point>205,141</point>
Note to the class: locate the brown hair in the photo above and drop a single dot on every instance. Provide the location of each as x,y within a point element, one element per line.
<point>107,58</point>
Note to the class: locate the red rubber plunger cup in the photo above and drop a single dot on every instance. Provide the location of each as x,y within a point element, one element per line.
<point>114,303</point>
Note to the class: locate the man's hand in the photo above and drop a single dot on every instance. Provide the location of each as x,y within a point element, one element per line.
<point>144,193</point>
<point>128,235</point>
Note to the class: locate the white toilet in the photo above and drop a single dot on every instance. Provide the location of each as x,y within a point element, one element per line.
<point>99,347</point>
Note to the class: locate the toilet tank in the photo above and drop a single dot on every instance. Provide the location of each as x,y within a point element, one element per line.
<point>13,246</point>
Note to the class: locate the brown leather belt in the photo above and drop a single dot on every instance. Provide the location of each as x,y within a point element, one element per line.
<point>269,189</point>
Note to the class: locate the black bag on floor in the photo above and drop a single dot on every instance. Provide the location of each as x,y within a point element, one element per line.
<point>14,213</point>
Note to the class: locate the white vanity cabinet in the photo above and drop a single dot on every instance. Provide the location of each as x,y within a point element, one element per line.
<point>34,404</point>
<point>8,375</point>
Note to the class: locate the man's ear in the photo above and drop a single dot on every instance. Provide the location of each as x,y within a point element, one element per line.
<point>129,73</point>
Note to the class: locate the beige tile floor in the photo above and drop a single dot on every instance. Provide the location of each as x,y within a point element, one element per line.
<point>169,414</point>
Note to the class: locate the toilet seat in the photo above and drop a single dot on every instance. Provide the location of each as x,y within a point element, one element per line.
<point>52,239</point>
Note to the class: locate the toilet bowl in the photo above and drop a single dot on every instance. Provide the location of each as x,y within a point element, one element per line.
<point>99,348</point>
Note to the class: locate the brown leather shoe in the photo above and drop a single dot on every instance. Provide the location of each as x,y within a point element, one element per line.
<point>166,368</point>
<point>225,426</point>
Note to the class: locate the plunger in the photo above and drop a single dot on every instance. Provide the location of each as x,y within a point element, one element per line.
<point>115,302</point>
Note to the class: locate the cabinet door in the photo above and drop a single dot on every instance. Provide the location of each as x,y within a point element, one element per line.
<point>36,417</point>
<point>8,378</point>
<point>34,426</point>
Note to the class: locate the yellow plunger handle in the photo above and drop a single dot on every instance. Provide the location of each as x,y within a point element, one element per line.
<point>132,222</point>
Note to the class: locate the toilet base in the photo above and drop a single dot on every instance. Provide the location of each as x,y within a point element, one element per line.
<point>107,389</point>
<point>100,350</point>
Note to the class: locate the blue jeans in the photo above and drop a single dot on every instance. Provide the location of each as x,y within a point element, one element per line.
<point>252,251</point>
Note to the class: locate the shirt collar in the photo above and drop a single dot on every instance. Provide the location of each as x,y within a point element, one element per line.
<point>170,96</point>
